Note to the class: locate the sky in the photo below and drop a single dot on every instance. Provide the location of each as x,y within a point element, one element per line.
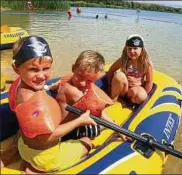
<point>167,3</point>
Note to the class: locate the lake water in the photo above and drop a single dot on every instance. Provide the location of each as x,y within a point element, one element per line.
<point>162,33</point>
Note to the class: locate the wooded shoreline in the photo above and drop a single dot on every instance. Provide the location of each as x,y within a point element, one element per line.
<point>65,5</point>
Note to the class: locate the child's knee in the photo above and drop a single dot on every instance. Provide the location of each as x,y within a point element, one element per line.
<point>119,85</point>
<point>137,95</point>
<point>120,77</point>
<point>141,97</point>
<point>132,92</point>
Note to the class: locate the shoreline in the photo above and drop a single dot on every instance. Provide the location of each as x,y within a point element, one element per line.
<point>65,5</point>
<point>4,9</point>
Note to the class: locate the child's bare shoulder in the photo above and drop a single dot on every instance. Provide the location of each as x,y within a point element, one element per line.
<point>24,95</point>
<point>66,92</point>
<point>72,93</point>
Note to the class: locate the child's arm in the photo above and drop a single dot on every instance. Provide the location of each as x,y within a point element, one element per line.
<point>66,95</point>
<point>73,94</point>
<point>114,67</point>
<point>65,128</point>
<point>149,78</point>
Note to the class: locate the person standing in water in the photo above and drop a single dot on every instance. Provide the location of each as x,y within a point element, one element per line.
<point>78,9</point>
<point>29,5</point>
<point>69,13</point>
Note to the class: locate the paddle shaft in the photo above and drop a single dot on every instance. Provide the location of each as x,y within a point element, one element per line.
<point>117,128</point>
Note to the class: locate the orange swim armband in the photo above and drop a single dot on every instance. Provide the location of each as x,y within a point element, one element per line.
<point>94,100</point>
<point>40,114</point>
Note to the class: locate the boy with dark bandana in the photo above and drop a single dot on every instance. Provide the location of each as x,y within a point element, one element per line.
<point>39,115</point>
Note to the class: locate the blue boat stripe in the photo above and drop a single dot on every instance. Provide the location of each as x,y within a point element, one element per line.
<point>116,154</point>
<point>51,81</point>
<point>172,89</point>
<point>4,95</point>
<point>117,163</point>
<point>166,99</point>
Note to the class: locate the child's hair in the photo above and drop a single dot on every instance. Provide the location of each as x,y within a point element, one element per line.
<point>17,46</point>
<point>90,60</point>
<point>143,59</point>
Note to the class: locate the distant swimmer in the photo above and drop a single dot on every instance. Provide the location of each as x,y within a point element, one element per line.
<point>97,16</point>
<point>78,9</point>
<point>29,5</point>
<point>69,12</point>
<point>105,16</point>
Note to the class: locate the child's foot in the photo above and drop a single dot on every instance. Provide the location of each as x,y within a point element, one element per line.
<point>9,154</point>
<point>26,168</point>
<point>124,138</point>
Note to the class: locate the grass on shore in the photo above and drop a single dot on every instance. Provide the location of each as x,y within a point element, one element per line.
<point>3,9</point>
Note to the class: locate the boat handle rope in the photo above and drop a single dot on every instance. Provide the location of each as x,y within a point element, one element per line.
<point>133,135</point>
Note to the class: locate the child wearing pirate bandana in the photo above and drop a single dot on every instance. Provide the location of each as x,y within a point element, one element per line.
<point>39,115</point>
<point>135,79</point>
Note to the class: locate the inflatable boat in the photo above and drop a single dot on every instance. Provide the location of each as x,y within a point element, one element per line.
<point>157,118</point>
<point>11,34</point>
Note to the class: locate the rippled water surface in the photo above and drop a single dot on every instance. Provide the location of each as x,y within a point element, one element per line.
<point>67,38</point>
<point>162,33</point>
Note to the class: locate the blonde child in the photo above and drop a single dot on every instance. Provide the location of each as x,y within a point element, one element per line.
<point>39,115</point>
<point>88,67</point>
<point>135,79</point>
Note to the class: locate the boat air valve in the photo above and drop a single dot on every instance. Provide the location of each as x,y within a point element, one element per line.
<point>143,148</point>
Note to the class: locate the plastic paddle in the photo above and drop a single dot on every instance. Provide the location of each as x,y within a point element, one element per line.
<point>150,141</point>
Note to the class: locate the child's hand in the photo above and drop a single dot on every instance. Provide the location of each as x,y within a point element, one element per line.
<point>86,120</point>
<point>133,82</point>
<point>125,138</point>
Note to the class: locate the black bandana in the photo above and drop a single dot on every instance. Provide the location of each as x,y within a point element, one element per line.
<point>32,47</point>
<point>135,41</point>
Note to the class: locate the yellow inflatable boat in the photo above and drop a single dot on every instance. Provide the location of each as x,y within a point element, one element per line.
<point>11,34</point>
<point>158,118</point>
